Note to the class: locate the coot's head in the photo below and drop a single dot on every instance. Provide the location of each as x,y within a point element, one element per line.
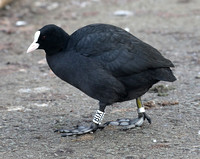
<point>50,38</point>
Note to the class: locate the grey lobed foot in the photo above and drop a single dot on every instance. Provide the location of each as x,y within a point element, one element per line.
<point>80,130</point>
<point>125,123</point>
<point>130,123</point>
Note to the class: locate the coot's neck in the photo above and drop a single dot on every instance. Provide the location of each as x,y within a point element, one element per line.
<point>59,46</point>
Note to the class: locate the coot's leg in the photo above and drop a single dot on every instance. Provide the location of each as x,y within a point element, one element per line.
<point>131,123</point>
<point>80,130</point>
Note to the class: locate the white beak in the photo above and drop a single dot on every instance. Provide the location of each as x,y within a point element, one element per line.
<point>33,47</point>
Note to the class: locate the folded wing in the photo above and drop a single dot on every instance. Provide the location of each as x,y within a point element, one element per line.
<point>119,52</point>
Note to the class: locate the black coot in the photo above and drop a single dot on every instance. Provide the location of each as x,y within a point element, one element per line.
<point>105,62</point>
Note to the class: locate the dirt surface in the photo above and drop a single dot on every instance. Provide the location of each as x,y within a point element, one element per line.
<point>34,102</point>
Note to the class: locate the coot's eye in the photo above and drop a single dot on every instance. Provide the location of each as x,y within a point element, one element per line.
<point>43,37</point>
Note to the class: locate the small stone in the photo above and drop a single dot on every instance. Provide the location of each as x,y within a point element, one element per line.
<point>42,62</point>
<point>41,105</point>
<point>15,108</point>
<point>84,4</point>
<point>24,90</point>
<point>41,89</point>
<point>150,104</point>
<point>40,4</point>
<point>53,6</point>
<point>22,70</point>
<point>20,23</point>
<point>123,13</point>
<point>198,76</point>
<point>154,140</point>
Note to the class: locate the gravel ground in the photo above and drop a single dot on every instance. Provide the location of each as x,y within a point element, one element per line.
<point>34,102</point>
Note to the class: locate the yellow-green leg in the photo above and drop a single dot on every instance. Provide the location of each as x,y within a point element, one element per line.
<point>141,110</point>
<point>131,123</point>
<point>96,124</point>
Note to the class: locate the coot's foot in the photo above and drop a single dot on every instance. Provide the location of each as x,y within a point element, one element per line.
<point>80,130</point>
<point>130,123</point>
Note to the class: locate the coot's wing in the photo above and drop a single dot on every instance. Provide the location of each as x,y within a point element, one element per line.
<point>117,50</point>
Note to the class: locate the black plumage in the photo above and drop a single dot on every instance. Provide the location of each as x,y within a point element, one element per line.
<point>104,61</point>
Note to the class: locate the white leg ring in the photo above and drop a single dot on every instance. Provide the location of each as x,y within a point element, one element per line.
<point>141,110</point>
<point>98,117</point>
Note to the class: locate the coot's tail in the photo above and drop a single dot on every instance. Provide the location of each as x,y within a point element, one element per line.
<point>164,74</point>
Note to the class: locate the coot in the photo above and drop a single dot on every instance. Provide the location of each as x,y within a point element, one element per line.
<point>105,62</point>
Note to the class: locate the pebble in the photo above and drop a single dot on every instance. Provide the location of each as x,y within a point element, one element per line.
<point>41,89</point>
<point>22,70</point>
<point>15,108</point>
<point>42,62</point>
<point>40,4</point>
<point>24,90</point>
<point>197,76</point>
<point>20,23</point>
<point>154,140</point>
<point>48,6</point>
<point>53,6</point>
<point>35,90</point>
<point>41,105</point>
<point>123,13</point>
